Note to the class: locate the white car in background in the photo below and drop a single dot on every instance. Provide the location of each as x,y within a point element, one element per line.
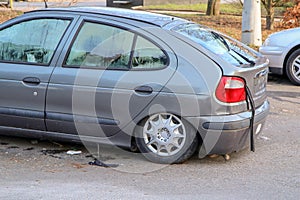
<point>283,51</point>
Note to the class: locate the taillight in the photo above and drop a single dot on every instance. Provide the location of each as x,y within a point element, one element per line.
<point>231,90</point>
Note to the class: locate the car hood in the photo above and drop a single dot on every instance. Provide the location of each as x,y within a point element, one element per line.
<point>283,38</point>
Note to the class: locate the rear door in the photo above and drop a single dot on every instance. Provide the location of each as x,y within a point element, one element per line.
<point>27,55</point>
<point>109,73</point>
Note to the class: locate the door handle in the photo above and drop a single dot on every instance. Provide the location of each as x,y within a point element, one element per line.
<point>144,89</point>
<point>32,80</point>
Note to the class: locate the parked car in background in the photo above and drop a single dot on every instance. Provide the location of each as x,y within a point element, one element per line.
<point>130,78</point>
<point>283,51</point>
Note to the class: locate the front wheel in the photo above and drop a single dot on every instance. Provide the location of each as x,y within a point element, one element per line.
<point>165,138</point>
<point>293,67</point>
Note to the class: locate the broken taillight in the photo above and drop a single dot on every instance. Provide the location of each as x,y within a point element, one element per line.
<point>231,90</point>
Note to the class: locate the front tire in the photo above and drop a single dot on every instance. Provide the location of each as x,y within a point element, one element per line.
<point>293,67</point>
<point>165,138</point>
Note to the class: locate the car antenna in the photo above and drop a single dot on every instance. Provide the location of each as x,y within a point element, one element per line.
<point>46,5</point>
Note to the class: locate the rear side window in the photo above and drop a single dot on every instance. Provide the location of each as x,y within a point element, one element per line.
<point>147,55</point>
<point>33,41</point>
<point>101,46</point>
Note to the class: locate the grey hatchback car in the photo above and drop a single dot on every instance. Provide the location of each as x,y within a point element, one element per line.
<point>129,78</point>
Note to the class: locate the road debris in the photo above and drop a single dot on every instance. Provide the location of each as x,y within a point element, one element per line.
<point>72,152</point>
<point>52,151</point>
<point>226,157</point>
<point>102,164</point>
<point>56,143</point>
<point>263,138</point>
<point>12,147</point>
<point>28,149</point>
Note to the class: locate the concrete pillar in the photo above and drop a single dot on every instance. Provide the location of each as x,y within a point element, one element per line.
<point>251,23</point>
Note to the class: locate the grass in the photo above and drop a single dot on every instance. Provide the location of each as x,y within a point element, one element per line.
<point>233,8</point>
<point>227,8</point>
<point>8,14</point>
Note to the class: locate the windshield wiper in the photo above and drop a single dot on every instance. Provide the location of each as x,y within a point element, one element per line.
<point>244,57</point>
<point>221,39</point>
<point>251,62</point>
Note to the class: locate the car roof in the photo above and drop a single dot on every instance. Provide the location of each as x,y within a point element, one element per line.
<point>143,16</point>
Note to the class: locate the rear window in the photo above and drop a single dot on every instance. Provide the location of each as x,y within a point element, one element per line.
<point>225,47</point>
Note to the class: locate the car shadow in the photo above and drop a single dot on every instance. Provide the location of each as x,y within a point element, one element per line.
<point>274,79</point>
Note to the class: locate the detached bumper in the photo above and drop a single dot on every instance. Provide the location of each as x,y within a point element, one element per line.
<point>230,133</point>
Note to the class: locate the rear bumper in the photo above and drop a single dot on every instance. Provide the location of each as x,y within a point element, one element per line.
<point>230,133</point>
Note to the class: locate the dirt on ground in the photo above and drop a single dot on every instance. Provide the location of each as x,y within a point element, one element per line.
<point>8,14</point>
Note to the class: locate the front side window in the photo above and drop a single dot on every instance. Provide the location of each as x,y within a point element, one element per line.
<point>101,46</point>
<point>33,41</point>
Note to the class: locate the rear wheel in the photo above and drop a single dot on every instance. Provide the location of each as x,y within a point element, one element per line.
<point>293,67</point>
<point>165,138</point>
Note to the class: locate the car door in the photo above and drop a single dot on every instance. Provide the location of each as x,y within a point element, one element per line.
<point>109,73</point>
<point>27,46</point>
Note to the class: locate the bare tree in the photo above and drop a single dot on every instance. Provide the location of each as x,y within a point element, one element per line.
<point>217,8</point>
<point>45,2</point>
<point>213,7</point>
<point>269,6</point>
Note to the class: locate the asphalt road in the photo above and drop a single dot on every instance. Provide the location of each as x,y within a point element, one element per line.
<point>31,169</point>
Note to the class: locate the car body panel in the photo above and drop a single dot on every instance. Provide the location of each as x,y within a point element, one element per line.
<point>21,100</point>
<point>228,133</point>
<point>250,74</point>
<point>23,104</point>
<point>88,94</point>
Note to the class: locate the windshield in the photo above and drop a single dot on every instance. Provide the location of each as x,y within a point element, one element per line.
<point>223,46</point>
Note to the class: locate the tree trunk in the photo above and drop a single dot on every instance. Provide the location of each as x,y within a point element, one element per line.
<point>45,2</point>
<point>217,8</point>
<point>270,15</point>
<point>210,7</point>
